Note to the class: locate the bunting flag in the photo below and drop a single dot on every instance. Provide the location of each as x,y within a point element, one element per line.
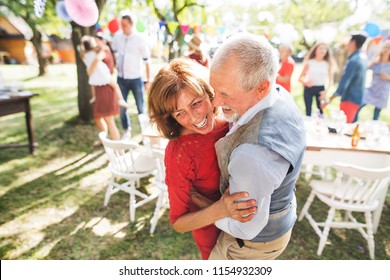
<point>197,29</point>
<point>161,24</point>
<point>172,25</point>
<point>221,30</point>
<point>140,26</point>
<point>39,7</point>
<point>211,30</point>
<point>184,28</point>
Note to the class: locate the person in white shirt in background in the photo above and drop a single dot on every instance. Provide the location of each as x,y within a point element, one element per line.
<point>131,49</point>
<point>98,72</point>
<point>105,91</point>
<point>318,70</point>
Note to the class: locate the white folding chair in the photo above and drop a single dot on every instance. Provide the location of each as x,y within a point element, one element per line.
<point>159,181</point>
<point>150,137</point>
<point>355,189</point>
<point>126,161</point>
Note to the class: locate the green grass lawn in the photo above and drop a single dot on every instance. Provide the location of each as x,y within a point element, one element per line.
<point>51,202</point>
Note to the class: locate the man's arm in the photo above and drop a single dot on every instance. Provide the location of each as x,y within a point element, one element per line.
<point>258,171</point>
<point>345,80</point>
<point>147,68</point>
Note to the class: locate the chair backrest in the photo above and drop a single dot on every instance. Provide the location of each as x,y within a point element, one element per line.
<point>159,157</point>
<point>144,122</point>
<point>124,157</point>
<point>362,185</point>
<point>150,137</point>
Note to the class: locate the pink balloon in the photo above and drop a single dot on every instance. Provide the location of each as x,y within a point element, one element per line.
<point>84,13</point>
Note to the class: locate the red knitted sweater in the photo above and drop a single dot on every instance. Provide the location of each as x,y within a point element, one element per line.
<point>190,161</point>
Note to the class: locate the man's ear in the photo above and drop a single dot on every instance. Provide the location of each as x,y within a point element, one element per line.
<point>263,89</point>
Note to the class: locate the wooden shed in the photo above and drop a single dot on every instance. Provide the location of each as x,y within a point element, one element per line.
<point>14,34</point>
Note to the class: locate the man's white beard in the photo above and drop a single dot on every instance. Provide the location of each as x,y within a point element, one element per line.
<point>231,117</point>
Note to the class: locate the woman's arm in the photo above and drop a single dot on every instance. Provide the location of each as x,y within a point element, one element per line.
<point>99,56</point>
<point>226,206</point>
<point>302,79</point>
<point>199,200</point>
<point>330,76</point>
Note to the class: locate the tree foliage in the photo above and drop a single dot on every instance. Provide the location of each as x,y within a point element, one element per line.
<point>177,11</point>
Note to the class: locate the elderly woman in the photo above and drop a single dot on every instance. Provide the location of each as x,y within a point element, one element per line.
<point>179,103</point>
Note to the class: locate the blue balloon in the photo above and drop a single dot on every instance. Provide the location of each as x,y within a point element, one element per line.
<point>61,11</point>
<point>372,29</point>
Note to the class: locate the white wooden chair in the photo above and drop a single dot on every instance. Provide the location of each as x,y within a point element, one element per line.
<point>127,162</point>
<point>150,138</point>
<point>159,181</point>
<point>355,189</point>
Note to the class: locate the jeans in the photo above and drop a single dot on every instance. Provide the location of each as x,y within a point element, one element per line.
<point>308,94</point>
<point>137,88</point>
<point>377,111</point>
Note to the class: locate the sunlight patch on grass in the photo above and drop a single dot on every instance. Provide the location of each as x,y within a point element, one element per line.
<point>387,248</point>
<point>45,250</point>
<point>77,228</point>
<point>101,226</point>
<point>78,163</point>
<point>36,220</point>
<point>58,111</point>
<point>32,174</point>
<point>25,242</point>
<point>104,227</point>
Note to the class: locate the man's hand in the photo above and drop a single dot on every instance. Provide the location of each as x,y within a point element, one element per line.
<point>147,85</point>
<point>101,55</point>
<point>235,207</point>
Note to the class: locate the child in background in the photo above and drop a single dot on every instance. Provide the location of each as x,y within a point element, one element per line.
<point>286,66</point>
<point>98,72</point>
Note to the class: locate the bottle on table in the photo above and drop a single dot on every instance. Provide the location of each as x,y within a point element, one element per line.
<point>355,136</point>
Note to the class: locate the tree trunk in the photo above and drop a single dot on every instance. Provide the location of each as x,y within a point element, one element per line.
<point>37,43</point>
<point>84,93</point>
<point>83,88</point>
<point>178,37</point>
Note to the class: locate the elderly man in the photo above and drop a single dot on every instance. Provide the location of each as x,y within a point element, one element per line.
<point>263,151</point>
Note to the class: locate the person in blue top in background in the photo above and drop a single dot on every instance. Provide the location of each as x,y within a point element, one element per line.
<point>352,83</point>
<point>378,92</point>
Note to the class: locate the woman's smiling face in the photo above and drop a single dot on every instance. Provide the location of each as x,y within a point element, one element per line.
<point>194,113</point>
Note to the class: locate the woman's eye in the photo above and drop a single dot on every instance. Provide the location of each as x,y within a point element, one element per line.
<point>197,103</point>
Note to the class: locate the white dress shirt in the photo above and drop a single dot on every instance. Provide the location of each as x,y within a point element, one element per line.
<point>130,51</point>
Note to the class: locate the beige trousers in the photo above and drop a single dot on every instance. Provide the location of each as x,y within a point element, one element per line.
<point>228,249</point>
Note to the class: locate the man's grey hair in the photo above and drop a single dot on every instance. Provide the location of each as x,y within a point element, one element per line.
<point>256,59</point>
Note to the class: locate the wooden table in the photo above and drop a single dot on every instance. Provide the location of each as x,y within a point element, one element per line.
<point>324,148</point>
<point>16,104</point>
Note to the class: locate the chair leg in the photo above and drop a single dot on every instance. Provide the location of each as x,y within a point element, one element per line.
<point>306,207</point>
<point>107,196</point>
<point>346,216</point>
<point>325,232</point>
<point>370,235</point>
<point>132,207</point>
<point>156,213</point>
